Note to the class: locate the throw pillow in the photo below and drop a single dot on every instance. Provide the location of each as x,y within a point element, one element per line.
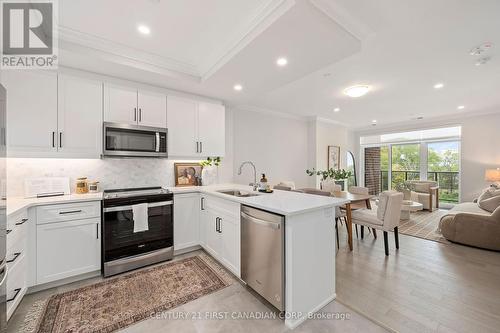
<point>489,200</point>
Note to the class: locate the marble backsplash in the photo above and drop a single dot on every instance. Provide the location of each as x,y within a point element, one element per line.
<point>111,173</point>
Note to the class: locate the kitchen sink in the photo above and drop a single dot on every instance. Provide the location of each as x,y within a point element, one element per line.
<point>238,193</point>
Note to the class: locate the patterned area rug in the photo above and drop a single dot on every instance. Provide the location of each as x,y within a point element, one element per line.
<point>122,301</point>
<point>425,225</point>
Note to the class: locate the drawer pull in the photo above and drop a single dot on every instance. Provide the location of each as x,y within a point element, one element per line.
<point>70,212</point>
<point>22,221</point>
<point>16,255</point>
<point>8,231</point>
<point>17,291</point>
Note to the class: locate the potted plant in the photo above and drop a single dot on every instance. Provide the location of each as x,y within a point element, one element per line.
<point>339,176</point>
<point>405,187</point>
<point>210,171</point>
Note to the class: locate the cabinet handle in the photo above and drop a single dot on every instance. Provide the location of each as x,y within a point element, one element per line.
<point>8,231</point>
<point>202,203</point>
<point>17,290</point>
<point>220,225</point>
<point>16,255</point>
<point>216,224</point>
<point>22,222</point>
<point>140,114</point>
<point>60,139</point>
<point>97,229</point>
<point>135,114</point>
<point>53,139</point>
<point>197,147</point>
<point>201,147</point>
<point>70,212</point>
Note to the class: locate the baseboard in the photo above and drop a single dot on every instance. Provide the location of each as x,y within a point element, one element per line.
<point>294,324</point>
<point>186,250</point>
<point>62,282</point>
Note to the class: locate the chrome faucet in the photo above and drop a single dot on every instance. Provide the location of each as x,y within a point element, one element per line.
<point>254,184</point>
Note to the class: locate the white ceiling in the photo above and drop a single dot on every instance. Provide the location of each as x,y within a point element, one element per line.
<point>400,47</point>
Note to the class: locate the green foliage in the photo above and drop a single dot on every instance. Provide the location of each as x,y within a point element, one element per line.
<point>330,174</point>
<point>216,161</point>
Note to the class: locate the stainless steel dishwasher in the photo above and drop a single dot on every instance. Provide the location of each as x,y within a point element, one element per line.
<point>263,254</point>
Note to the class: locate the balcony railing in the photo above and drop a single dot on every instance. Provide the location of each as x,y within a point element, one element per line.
<point>448,182</point>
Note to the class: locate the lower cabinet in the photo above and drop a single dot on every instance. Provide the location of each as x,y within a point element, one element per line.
<point>220,226</point>
<point>186,220</point>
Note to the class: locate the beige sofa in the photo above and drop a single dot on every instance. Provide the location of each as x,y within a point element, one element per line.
<point>468,224</point>
<point>425,192</point>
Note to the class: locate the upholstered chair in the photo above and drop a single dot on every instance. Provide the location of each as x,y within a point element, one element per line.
<point>426,192</point>
<point>339,214</point>
<point>386,217</point>
<point>330,186</point>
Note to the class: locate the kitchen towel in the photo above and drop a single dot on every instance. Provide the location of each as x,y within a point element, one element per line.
<point>140,216</point>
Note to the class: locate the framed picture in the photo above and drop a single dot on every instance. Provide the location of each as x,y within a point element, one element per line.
<point>187,174</point>
<point>334,157</point>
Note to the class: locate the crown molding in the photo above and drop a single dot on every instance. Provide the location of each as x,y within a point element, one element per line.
<point>267,14</point>
<point>340,15</point>
<point>330,121</point>
<point>87,44</point>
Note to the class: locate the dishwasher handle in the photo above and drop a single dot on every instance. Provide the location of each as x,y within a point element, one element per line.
<point>268,224</point>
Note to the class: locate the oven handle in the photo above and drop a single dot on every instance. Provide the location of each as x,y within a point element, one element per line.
<point>129,207</point>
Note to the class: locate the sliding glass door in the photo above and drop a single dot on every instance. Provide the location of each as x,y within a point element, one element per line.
<point>405,164</point>
<point>443,166</point>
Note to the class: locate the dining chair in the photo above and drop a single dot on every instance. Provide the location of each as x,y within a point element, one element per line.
<point>339,214</point>
<point>354,206</point>
<point>386,217</point>
<point>330,186</point>
<point>287,183</point>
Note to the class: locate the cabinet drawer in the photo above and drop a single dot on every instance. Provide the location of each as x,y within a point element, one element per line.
<point>16,220</point>
<point>16,247</point>
<point>226,206</point>
<point>68,212</point>
<point>16,285</point>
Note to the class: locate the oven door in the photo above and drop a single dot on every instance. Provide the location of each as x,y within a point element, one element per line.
<point>120,240</point>
<point>132,140</point>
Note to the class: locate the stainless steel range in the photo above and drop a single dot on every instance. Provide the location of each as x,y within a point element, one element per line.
<point>137,228</point>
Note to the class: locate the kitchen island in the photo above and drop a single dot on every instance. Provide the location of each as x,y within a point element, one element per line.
<point>309,271</point>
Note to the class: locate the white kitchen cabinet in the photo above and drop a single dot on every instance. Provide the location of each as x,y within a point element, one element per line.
<point>66,249</point>
<point>186,220</point>
<point>79,117</point>
<point>31,112</point>
<point>182,123</point>
<point>220,225</point>
<point>195,129</point>
<point>152,109</point>
<point>127,105</point>
<point>120,104</point>
<point>211,129</point>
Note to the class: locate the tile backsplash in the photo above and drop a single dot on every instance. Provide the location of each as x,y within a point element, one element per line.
<point>111,173</point>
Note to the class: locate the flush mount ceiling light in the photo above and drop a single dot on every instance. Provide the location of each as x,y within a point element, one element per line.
<point>478,50</point>
<point>238,87</point>
<point>357,91</point>
<point>461,107</point>
<point>143,29</point>
<point>281,62</point>
<point>336,110</point>
<point>438,85</point>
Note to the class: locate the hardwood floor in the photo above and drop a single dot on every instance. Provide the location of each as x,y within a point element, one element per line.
<point>425,286</point>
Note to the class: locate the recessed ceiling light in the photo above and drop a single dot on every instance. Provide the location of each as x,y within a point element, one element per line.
<point>357,91</point>
<point>238,87</point>
<point>420,117</point>
<point>281,62</point>
<point>461,107</point>
<point>438,85</point>
<point>374,121</point>
<point>480,49</point>
<point>336,110</point>
<point>144,29</point>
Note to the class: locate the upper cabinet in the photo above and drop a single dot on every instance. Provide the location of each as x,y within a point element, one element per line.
<point>127,105</point>
<point>195,129</point>
<point>53,116</point>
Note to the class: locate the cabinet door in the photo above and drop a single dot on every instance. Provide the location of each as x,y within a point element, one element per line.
<point>186,220</point>
<point>182,123</point>
<point>79,117</point>
<point>213,244</point>
<point>230,244</point>
<point>31,112</point>
<point>152,109</point>
<point>67,249</point>
<point>120,104</point>
<point>211,129</point>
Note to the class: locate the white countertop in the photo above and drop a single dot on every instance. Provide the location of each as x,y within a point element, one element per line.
<point>280,202</point>
<point>15,204</point>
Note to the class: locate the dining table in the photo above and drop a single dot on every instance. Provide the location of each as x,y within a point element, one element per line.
<point>353,199</point>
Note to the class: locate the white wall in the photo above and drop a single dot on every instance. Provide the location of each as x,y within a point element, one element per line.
<point>277,145</point>
<point>479,150</point>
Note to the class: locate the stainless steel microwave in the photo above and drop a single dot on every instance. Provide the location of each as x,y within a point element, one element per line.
<point>134,141</point>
